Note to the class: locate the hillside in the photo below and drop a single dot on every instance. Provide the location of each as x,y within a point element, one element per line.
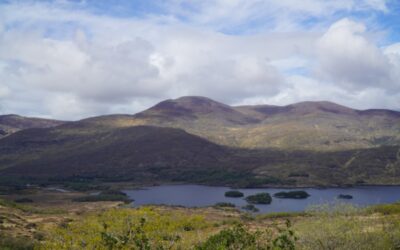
<point>155,154</point>
<point>12,123</point>
<point>114,153</point>
<point>322,126</point>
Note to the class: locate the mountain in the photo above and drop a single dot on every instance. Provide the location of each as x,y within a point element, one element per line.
<point>323,126</point>
<point>195,108</point>
<point>12,123</point>
<point>198,140</point>
<point>320,126</point>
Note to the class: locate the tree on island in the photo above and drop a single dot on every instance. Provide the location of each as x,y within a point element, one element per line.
<point>260,198</point>
<point>234,194</point>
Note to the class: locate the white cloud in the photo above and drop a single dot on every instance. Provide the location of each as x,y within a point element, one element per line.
<point>347,58</point>
<point>68,63</point>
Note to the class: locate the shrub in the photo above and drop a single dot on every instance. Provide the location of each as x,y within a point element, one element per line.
<point>224,204</point>
<point>250,207</point>
<point>23,200</point>
<point>233,238</point>
<point>15,243</point>
<point>260,198</point>
<point>234,194</point>
<point>239,237</point>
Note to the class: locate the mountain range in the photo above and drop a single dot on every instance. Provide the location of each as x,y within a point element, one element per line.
<point>196,139</point>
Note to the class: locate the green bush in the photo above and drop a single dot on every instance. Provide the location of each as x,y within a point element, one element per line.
<point>15,243</point>
<point>250,207</point>
<point>232,238</point>
<point>224,204</point>
<point>241,238</point>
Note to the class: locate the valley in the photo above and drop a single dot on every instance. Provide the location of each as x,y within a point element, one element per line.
<point>79,184</point>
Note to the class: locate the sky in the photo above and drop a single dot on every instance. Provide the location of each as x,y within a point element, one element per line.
<point>74,59</point>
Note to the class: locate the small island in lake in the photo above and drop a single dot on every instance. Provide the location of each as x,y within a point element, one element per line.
<point>292,195</point>
<point>345,196</point>
<point>234,194</point>
<point>260,198</point>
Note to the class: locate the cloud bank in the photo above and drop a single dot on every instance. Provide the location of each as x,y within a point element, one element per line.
<point>71,60</point>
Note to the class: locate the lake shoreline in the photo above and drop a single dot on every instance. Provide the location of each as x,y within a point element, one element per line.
<point>204,196</point>
<point>141,186</point>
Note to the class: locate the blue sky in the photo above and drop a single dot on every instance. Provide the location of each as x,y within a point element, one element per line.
<point>72,59</point>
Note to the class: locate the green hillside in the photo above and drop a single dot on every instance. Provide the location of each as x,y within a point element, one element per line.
<point>321,126</point>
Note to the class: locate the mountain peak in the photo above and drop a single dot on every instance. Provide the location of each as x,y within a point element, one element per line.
<point>193,107</point>
<point>200,104</point>
<point>188,106</point>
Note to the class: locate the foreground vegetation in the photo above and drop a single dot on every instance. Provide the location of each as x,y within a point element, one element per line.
<point>112,225</point>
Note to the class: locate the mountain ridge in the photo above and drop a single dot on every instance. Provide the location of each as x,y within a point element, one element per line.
<point>198,140</point>
<point>11,123</point>
<point>310,125</point>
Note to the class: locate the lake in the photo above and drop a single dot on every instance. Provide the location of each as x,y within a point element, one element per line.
<point>201,196</point>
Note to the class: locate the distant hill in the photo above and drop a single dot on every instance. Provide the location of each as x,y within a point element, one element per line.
<point>322,126</point>
<point>12,123</point>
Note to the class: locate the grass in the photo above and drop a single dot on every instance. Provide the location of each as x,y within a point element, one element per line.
<point>30,209</point>
<point>385,209</point>
<point>280,215</point>
<point>143,228</point>
<point>347,227</point>
<point>8,242</point>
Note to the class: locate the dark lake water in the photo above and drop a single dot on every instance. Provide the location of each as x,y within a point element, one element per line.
<point>200,196</point>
